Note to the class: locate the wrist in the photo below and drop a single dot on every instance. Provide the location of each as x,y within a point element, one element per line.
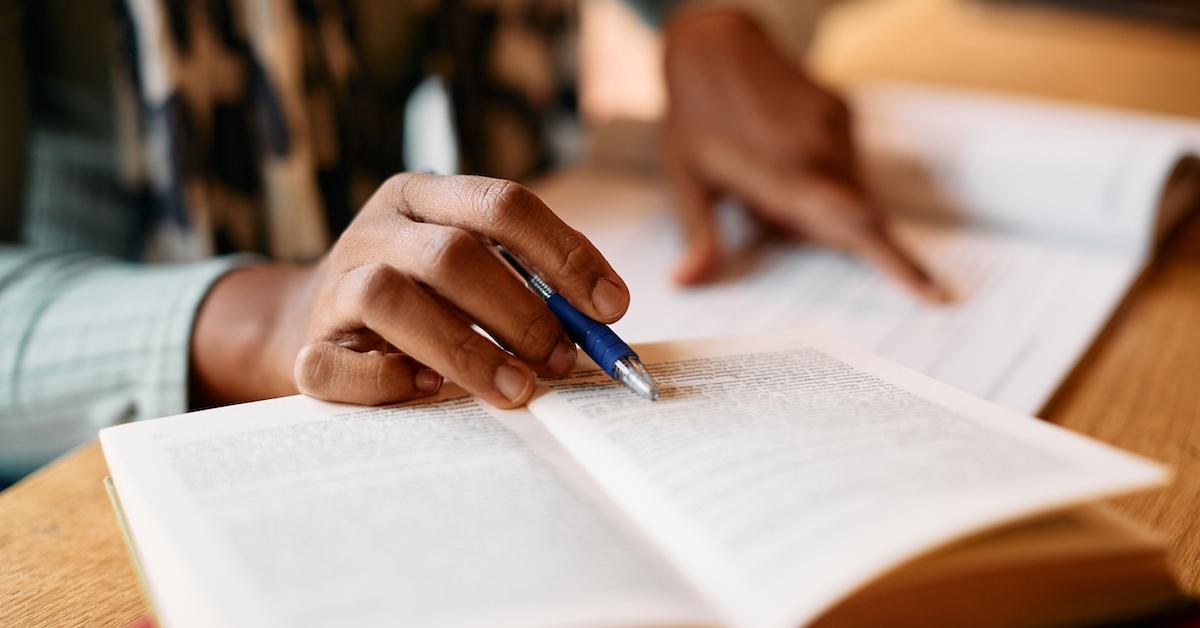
<point>247,333</point>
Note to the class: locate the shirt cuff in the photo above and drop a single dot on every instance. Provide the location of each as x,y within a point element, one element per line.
<point>90,342</point>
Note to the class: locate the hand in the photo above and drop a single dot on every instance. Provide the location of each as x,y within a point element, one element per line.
<point>388,312</point>
<point>746,122</point>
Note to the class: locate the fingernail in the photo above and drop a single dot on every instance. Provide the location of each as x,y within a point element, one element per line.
<point>513,382</point>
<point>562,360</point>
<point>608,299</point>
<point>428,380</point>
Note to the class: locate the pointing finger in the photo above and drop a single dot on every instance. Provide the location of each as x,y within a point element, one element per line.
<point>694,204</point>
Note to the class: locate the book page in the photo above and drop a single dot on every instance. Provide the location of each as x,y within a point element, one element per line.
<point>293,512</point>
<point>781,473</point>
<point>1085,175</point>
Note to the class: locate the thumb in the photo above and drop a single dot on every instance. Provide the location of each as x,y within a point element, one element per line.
<point>693,204</point>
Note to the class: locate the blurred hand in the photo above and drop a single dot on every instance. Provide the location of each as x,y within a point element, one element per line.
<point>746,122</point>
<point>388,312</point>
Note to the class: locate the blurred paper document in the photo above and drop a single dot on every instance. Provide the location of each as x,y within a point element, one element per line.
<point>1039,217</point>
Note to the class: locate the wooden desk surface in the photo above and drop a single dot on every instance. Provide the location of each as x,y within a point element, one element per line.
<point>62,561</point>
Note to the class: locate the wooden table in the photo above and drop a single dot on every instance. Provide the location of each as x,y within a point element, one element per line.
<point>62,561</point>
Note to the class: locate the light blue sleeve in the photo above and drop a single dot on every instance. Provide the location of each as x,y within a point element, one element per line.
<point>87,341</point>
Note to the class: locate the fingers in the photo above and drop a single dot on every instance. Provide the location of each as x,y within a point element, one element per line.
<point>510,214</point>
<point>836,213</point>
<point>830,141</point>
<point>879,249</point>
<point>462,271</point>
<point>332,372</point>
<point>702,244</point>
<point>392,305</point>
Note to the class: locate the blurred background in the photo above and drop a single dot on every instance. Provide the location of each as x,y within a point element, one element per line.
<point>1136,54</point>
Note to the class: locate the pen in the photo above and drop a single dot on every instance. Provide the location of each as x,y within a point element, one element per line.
<point>601,344</point>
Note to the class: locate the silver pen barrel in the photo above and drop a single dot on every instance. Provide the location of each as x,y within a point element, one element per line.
<point>537,284</point>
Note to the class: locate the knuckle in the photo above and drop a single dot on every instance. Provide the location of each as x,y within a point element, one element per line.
<point>396,188</point>
<point>395,183</point>
<point>376,278</point>
<point>452,249</point>
<point>502,200</point>
<point>467,353</point>
<point>375,285</point>
<point>576,251</point>
<point>539,336</point>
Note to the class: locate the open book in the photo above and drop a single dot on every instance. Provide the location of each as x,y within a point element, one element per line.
<point>780,480</point>
<point>1039,216</point>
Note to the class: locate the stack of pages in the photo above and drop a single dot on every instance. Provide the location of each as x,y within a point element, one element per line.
<point>784,478</point>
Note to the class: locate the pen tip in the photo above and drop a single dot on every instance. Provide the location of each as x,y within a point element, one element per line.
<point>631,372</point>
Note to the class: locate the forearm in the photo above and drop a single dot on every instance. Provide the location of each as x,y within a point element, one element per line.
<point>247,333</point>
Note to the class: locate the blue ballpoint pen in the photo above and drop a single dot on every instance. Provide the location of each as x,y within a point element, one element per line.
<point>601,344</point>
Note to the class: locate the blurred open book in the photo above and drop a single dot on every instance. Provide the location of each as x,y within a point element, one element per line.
<point>782,479</point>
<point>1039,215</point>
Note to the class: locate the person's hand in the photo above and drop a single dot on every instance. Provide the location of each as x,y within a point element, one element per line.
<point>388,312</point>
<point>746,122</point>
